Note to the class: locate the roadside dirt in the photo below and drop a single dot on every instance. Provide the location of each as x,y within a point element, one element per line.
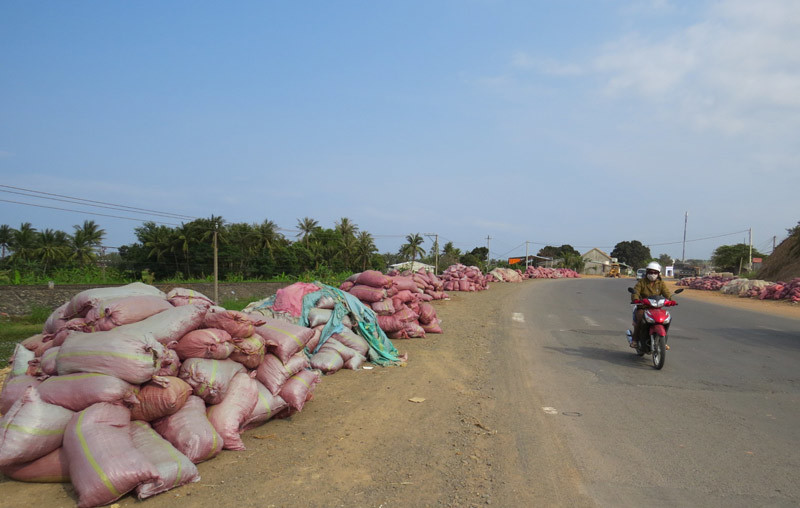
<point>363,442</point>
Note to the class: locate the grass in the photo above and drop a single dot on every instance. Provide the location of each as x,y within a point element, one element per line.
<point>12,331</point>
<point>235,303</point>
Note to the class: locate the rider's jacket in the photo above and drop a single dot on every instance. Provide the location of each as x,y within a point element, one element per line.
<point>645,288</point>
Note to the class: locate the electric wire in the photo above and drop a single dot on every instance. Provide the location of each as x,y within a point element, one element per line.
<point>88,212</point>
<point>91,202</point>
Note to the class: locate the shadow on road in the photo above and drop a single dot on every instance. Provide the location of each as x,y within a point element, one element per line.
<point>625,358</point>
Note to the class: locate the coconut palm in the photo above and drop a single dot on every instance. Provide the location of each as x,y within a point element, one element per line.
<point>306,225</point>
<point>346,227</point>
<point>365,248</point>
<point>23,242</point>
<point>413,247</point>
<point>266,235</point>
<point>51,247</point>
<point>91,233</point>
<point>6,237</point>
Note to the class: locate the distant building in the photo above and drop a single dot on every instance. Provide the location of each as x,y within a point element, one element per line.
<point>597,262</point>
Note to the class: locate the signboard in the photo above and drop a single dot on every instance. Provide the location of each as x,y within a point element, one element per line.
<point>514,261</point>
<point>757,260</point>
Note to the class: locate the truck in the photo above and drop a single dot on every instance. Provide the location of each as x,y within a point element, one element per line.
<point>681,271</point>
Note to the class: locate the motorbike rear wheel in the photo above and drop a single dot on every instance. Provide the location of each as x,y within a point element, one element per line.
<point>659,351</point>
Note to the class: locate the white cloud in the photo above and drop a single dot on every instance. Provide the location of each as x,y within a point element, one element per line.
<point>737,70</point>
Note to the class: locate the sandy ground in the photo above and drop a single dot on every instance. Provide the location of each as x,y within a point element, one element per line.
<point>363,442</point>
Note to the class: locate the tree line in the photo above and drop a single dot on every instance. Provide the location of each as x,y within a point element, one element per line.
<point>257,251</point>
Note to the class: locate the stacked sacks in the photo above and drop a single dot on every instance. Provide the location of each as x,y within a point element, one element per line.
<point>464,278</point>
<point>707,283</point>
<point>782,291</point>
<point>136,388</point>
<point>505,275</point>
<point>400,302</point>
<point>550,273</point>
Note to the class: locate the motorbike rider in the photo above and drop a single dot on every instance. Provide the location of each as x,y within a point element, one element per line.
<point>650,285</point>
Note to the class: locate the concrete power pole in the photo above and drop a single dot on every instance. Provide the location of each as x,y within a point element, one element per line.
<point>685,222</point>
<point>435,251</point>
<point>488,252</point>
<point>750,264</point>
<point>526,254</point>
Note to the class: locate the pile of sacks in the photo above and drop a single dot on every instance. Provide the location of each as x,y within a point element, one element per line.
<point>400,301</point>
<point>345,332</point>
<point>550,273</point>
<point>707,283</point>
<point>464,278</point>
<point>745,288</point>
<point>128,388</point>
<point>505,275</point>
<point>782,291</point>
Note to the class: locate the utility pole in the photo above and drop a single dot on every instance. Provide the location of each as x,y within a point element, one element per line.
<point>488,252</point>
<point>750,264</point>
<point>216,269</point>
<point>526,254</point>
<point>773,244</point>
<point>685,222</point>
<point>435,251</point>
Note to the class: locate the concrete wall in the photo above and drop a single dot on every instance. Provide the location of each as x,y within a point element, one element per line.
<point>18,300</point>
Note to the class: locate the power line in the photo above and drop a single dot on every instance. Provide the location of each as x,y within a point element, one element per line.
<point>87,212</point>
<point>77,202</point>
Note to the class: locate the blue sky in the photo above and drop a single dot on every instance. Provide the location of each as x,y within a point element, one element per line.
<point>580,122</point>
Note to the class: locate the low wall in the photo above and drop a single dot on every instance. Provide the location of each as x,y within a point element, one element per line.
<point>19,300</point>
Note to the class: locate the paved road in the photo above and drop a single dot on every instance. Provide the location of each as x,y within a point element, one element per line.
<point>718,426</point>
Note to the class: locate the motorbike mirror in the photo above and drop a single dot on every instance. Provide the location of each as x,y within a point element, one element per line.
<point>630,290</point>
<point>679,291</point>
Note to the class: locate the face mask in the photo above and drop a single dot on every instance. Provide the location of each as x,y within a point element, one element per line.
<point>652,277</point>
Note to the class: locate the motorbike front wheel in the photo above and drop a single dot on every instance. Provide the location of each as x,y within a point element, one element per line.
<point>659,350</point>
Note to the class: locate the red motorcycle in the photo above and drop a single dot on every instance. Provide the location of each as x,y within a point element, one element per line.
<point>658,319</point>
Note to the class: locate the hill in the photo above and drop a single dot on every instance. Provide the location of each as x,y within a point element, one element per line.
<point>784,263</point>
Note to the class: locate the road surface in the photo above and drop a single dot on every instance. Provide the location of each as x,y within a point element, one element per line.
<point>718,426</point>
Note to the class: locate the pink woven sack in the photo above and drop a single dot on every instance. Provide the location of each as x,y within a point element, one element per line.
<point>31,429</point>
<point>228,415</point>
<point>174,468</point>
<point>103,463</point>
<point>190,431</point>
<point>52,468</point>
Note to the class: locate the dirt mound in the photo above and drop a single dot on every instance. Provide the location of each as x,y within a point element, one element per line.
<point>784,263</point>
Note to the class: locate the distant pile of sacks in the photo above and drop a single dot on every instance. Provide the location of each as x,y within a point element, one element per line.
<point>464,278</point>
<point>550,273</point>
<point>400,301</point>
<point>764,290</point>
<point>505,275</point>
<point>128,388</point>
<point>707,283</point>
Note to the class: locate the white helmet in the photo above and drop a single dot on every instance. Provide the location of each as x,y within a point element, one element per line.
<point>654,266</point>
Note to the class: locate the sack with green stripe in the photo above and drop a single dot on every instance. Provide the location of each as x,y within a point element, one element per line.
<point>103,463</point>
<point>174,468</point>
<point>131,356</point>
<point>31,429</point>
<point>284,339</point>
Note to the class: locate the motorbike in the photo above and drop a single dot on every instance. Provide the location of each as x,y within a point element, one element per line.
<point>658,318</point>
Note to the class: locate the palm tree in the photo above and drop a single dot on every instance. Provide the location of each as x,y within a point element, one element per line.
<point>266,235</point>
<point>91,232</point>
<point>413,247</point>
<point>52,247</point>
<point>156,238</point>
<point>346,227</point>
<point>365,248</point>
<point>181,240</point>
<point>85,241</point>
<point>6,237</point>
<point>306,225</point>
<point>23,242</point>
